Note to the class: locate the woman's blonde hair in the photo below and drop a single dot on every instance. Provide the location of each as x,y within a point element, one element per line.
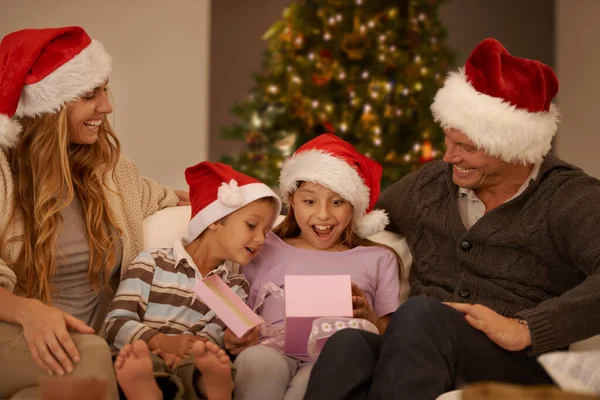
<point>289,228</point>
<point>48,172</point>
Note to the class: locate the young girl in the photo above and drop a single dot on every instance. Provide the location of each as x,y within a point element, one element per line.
<point>331,190</point>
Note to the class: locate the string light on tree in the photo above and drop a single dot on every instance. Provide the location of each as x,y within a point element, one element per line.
<point>364,71</point>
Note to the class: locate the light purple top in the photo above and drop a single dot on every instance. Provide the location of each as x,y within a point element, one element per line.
<point>374,269</point>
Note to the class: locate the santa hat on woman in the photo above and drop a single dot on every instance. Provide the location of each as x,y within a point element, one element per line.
<point>217,190</point>
<point>502,103</point>
<point>335,164</point>
<point>42,69</point>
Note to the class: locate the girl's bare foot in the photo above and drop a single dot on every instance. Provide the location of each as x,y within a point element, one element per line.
<point>215,369</point>
<point>133,367</point>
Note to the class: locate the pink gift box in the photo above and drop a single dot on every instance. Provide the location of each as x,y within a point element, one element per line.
<point>308,297</point>
<point>232,310</point>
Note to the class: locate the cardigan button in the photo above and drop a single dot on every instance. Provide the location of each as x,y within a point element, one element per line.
<point>464,293</point>
<point>466,245</point>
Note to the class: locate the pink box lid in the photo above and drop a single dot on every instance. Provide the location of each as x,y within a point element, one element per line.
<point>232,310</point>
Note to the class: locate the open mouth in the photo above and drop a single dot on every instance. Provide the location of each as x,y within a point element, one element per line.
<point>250,250</point>
<point>323,231</point>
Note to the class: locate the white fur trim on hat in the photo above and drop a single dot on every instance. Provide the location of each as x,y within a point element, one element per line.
<point>9,131</point>
<point>84,72</point>
<point>500,129</point>
<point>230,194</point>
<point>337,175</point>
<point>217,209</point>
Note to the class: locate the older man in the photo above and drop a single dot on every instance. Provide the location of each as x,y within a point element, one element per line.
<point>505,241</point>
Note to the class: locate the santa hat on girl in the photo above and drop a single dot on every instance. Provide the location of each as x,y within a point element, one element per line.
<point>42,69</point>
<point>335,164</point>
<point>217,190</point>
<point>502,103</point>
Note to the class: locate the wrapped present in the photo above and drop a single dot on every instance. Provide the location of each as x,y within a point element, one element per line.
<point>309,297</point>
<point>232,310</point>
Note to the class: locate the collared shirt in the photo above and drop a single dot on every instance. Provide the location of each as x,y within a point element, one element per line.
<point>156,295</point>
<point>471,208</point>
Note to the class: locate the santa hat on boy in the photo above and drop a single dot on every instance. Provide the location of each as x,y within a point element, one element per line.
<point>335,164</point>
<point>217,190</point>
<point>502,103</point>
<point>42,69</point>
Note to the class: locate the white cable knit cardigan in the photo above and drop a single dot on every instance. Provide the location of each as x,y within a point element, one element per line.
<point>134,198</point>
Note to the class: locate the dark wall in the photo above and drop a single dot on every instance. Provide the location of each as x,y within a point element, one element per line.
<point>525,27</point>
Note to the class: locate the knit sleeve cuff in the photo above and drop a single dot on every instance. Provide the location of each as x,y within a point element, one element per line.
<point>543,333</point>
<point>8,279</point>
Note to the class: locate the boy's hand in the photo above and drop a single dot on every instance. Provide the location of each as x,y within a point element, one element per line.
<point>235,345</point>
<point>170,359</point>
<point>180,345</point>
<point>360,305</point>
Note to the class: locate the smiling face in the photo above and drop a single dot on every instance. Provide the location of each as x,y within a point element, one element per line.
<point>321,215</point>
<point>240,235</point>
<point>472,168</point>
<point>86,114</point>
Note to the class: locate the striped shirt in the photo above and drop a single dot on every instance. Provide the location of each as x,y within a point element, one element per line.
<point>156,295</point>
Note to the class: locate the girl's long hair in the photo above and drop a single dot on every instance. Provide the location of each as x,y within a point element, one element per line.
<point>289,228</point>
<point>48,172</point>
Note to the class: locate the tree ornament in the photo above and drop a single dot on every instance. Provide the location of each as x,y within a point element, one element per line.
<point>324,67</point>
<point>287,144</point>
<point>426,152</point>
<point>255,139</point>
<point>355,44</point>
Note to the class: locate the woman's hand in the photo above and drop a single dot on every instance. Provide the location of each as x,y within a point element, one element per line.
<point>235,345</point>
<point>46,331</point>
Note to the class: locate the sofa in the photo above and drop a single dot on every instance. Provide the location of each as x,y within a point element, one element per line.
<point>165,226</point>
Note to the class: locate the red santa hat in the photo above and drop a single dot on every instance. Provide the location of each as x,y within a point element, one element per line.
<point>217,190</point>
<point>42,69</point>
<point>335,164</point>
<point>502,103</point>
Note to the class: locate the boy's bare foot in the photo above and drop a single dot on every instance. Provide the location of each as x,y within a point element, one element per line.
<point>215,367</point>
<point>133,367</point>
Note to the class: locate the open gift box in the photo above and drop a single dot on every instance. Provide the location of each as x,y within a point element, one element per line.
<point>309,297</point>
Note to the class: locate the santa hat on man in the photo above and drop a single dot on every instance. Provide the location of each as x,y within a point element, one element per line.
<point>335,164</point>
<point>502,103</point>
<point>42,69</point>
<point>217,190</point>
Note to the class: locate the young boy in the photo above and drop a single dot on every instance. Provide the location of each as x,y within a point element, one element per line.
<point>156,319</point>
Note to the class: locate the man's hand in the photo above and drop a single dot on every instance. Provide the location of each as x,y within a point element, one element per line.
<point>235,345</point>
<point>505,332</point>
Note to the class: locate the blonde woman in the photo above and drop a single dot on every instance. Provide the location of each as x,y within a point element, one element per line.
<point>72,207</point>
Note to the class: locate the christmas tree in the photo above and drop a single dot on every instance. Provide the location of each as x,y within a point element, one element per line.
<point>365,70</point>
